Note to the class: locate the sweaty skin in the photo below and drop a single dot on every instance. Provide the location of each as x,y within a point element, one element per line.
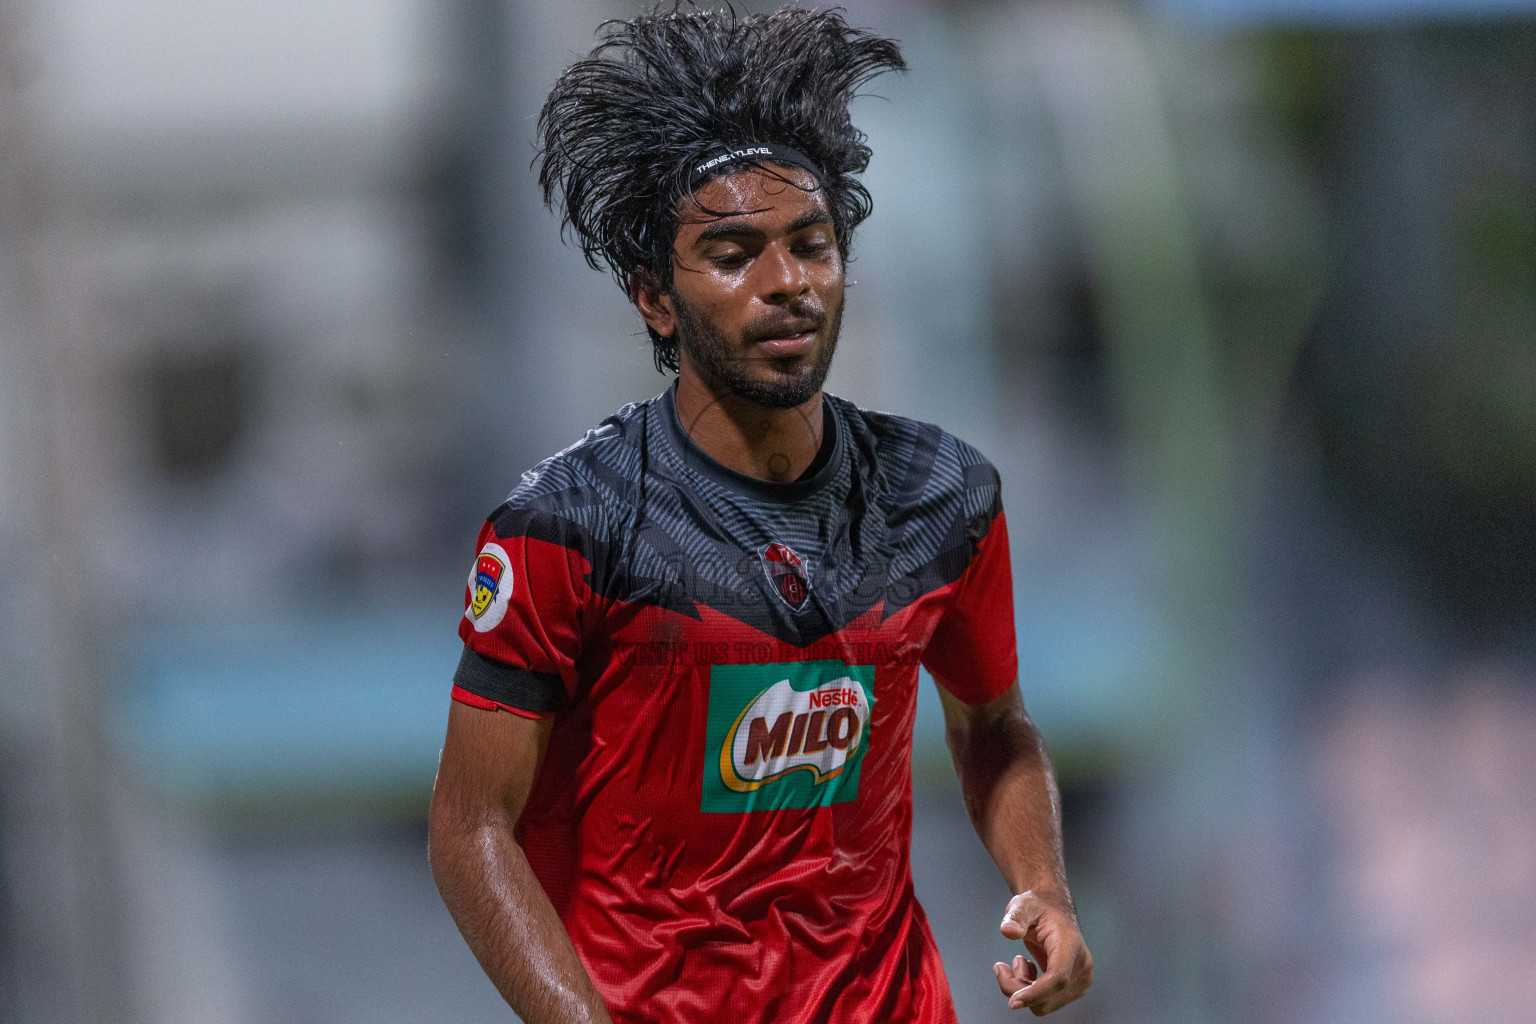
<point>757,295</point>
<point>768,281</point>
<point>487,770</point>
<point>1010,792</point>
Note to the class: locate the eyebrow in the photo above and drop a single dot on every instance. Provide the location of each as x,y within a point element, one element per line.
<point>728,228</point>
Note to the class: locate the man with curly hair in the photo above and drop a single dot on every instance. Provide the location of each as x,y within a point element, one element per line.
<point>676,784</point>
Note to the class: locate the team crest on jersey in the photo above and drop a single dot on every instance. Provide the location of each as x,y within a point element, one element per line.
<point>789,574</point>
<point>490,587</point>
<point>785,735</point>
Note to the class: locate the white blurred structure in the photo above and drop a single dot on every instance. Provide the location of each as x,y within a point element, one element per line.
<point>218,276</point>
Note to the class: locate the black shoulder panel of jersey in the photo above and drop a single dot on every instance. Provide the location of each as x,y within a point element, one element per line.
<point>584,497</point>
<point>939,495</point>
<point>908,520</point>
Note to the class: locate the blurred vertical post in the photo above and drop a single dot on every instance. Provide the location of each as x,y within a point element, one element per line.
<point>1142,251</point>
<point>62,904</point>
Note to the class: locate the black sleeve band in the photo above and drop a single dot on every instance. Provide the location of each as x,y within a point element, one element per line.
<point>515,687</point>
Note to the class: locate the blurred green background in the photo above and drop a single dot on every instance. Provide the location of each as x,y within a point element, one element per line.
<point>1239,295</point>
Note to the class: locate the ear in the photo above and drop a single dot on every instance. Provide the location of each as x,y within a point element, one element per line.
<point>654,304</point>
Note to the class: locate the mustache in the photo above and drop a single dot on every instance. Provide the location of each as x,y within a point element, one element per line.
<point>801,317</point>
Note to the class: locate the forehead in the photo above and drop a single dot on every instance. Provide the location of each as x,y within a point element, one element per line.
<point>755,193</point>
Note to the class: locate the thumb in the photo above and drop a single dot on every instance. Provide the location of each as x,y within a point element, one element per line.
<point>1016,921</point>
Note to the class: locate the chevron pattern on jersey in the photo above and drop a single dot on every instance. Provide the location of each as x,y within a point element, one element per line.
<point>897,511</point>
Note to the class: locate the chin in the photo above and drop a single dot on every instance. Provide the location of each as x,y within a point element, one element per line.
<point>779,390</point>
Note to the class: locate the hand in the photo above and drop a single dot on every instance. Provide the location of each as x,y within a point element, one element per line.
<point>1048,928</point>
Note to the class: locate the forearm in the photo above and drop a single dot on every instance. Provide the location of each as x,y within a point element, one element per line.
<point>508,921</point>
<point>1011,795</point>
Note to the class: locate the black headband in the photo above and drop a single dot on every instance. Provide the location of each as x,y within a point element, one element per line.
<point>723,158</point>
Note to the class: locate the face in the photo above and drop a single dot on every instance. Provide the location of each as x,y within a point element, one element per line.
<point>757,294</point>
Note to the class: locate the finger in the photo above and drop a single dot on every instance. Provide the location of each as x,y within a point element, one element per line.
<point>1050,946</point>
<point>1052,939</point>
<point>1039,1004</point>
<point>1072,964</point>
<point>1011,978</point>
<point>1038,992</point>
<point>1069,993</point>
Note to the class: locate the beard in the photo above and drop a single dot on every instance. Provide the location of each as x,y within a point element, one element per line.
<point>772,383</point>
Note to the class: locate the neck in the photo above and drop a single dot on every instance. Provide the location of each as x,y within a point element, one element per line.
<point>770,444</point>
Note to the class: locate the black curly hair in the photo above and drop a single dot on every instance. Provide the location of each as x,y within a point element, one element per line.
<point>623,129</point>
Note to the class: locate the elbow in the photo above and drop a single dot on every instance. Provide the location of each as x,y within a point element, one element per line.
<point>441,839</point>
<point>965,736</point>
<point>462,838</point>
<point>954,739</point>
<point>435,845</point>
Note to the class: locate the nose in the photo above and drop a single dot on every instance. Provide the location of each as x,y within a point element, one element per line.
<point>781,276</point>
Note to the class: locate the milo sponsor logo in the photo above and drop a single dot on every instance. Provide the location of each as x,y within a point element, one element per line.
<point>785,735</point>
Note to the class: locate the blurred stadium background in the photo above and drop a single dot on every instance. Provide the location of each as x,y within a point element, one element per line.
<point>1239,294</point>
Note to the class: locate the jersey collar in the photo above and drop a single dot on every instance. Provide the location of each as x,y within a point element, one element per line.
<point>751,486</point>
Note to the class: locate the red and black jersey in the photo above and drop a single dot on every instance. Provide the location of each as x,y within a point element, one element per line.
<point>724,814</point>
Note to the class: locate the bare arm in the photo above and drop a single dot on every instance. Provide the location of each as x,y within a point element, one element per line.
<point>1010,793</point>
<point>487,771</point>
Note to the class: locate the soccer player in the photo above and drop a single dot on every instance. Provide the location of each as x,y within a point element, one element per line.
<point>676,785</point>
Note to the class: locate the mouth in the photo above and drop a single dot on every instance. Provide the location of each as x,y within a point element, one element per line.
<point>782,341</point>
<point>787,345</point>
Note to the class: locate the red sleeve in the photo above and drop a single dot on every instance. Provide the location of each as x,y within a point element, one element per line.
<point>525,607</point>
<point>973,649</point>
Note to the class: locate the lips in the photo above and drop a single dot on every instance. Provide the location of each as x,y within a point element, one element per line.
<point>791,338</point>
<point>794,345</point>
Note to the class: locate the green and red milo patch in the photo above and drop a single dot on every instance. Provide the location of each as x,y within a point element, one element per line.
<point>785,735</point>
